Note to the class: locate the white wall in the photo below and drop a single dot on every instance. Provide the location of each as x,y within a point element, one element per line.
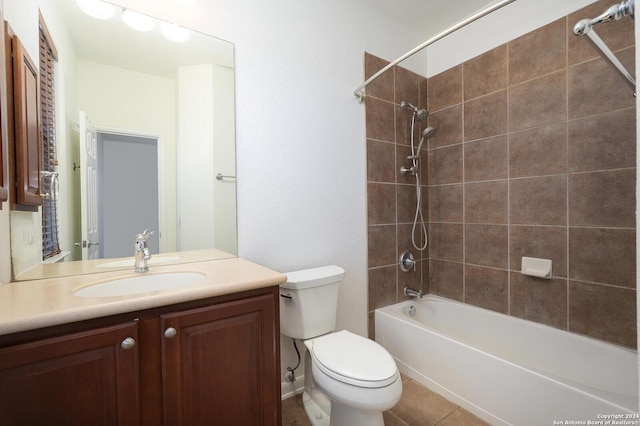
<point>224,159</point>
<point>195,157</point>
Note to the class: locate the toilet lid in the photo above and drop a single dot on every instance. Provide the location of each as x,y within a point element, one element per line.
<point>353,359</point>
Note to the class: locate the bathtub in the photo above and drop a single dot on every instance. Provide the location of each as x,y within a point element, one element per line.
<point>509,371</point>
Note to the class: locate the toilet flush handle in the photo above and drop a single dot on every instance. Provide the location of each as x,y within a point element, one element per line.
<point>287,296</point>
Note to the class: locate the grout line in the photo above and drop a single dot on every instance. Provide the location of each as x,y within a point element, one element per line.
<point>566,167</point>
<point>508,187</point>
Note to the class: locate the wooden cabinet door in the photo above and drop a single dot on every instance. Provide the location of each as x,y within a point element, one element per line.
<point>24,81</point>
<point>221,367</point>
<point>85,378</point>
<point>4,149</point>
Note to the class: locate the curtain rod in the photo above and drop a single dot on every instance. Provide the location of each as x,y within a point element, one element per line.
<point>359,92</point>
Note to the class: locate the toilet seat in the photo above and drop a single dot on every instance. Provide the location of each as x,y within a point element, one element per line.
<point>355,360</point>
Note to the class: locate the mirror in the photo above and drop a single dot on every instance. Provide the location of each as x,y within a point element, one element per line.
<point>138,89</point>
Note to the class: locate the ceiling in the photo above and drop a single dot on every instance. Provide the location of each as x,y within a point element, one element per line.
<point>428,17</point>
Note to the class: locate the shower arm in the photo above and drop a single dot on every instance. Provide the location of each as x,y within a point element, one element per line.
<point>360,92</point>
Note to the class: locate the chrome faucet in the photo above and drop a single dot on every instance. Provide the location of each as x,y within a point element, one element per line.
<point>413,293</point>
<point>141,251</point>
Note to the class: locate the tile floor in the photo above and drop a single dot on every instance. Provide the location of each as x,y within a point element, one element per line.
<point>418,406</point>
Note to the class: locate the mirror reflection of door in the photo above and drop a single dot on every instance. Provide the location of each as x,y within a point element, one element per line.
<point>88,189</point>
<point>128,192</point>
<point>119,186</point>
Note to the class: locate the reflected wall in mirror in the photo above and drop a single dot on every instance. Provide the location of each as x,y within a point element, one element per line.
<point>162,126</point>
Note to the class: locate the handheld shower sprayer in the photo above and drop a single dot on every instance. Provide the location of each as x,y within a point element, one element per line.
<point>427,133</point>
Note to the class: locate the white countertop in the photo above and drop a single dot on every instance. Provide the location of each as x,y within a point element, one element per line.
<point>29,305</point>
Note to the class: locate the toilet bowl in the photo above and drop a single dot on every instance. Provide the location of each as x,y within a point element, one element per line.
<point>359,377</point>
<point>349,380</point>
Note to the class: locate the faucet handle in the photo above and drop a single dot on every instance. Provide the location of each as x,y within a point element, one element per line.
<point>144,236</point>
<point>407,261</point>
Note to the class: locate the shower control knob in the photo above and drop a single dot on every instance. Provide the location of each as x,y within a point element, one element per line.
<point>407,261</point>
<point>170,333</point>
<point>128,344</point>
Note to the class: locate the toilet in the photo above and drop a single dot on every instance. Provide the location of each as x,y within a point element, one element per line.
<point>349,380</point>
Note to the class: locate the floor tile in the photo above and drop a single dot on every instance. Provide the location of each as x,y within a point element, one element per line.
<point>418,406</point>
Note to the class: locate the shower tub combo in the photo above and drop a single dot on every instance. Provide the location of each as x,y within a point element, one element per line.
<point>510,371</point>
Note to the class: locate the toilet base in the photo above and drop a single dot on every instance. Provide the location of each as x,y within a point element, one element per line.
<point>321,411</point>
<point>342,415</point>
<point>317,407</point>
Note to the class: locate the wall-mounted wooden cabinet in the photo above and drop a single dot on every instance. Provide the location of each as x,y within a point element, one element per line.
<point>4,154</point>
<point>23,124</point>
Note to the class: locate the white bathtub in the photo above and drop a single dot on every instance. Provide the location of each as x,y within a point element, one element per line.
<point>509,371</point>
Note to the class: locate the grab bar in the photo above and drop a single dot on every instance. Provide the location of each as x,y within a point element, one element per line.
<point>612,14</point>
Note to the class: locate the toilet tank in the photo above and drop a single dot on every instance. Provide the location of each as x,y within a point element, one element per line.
<point>309,302</point>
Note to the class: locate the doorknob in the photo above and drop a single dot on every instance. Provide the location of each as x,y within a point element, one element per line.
<point>85,244</point>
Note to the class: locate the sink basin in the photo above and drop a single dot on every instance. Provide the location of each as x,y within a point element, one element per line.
<point>155,260</point>
<point>136,284</point>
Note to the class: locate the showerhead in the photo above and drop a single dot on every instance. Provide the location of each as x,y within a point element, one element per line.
<point>419,114</point>
<point>427,133</point>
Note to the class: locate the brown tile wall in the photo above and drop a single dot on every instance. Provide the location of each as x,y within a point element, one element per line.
<point>391,195</point>
<point>534,156</point>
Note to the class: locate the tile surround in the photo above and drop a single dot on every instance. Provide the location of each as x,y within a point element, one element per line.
<point>528,160</point>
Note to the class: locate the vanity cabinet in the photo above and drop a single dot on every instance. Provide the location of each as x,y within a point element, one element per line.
<point>84,378</point>
<point>207,362</point>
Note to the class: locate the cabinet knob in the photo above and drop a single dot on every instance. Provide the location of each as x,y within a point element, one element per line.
<point>170,333</point>
<point>128,344</point>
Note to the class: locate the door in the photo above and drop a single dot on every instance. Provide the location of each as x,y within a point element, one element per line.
<point>88,189</point>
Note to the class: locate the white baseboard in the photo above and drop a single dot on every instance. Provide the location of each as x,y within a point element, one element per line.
<point>289,389</point>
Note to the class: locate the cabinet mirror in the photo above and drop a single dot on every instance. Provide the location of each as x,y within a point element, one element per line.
<point>145,139</point>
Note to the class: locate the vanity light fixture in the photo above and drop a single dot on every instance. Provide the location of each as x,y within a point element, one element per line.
<point>97,8</point>
<point>137,21</point>
<point>174,32</point>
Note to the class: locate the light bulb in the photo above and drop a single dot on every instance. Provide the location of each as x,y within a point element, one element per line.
<point>97,8</point>
<point>174,32</point>
<point>137,21</point>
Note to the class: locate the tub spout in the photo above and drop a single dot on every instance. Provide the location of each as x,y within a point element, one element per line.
<point>413,293</point>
